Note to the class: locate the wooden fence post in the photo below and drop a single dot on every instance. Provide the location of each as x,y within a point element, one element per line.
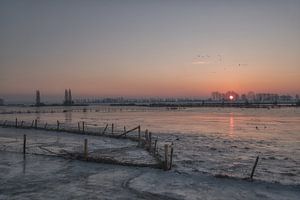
<point>155,146</point>
<point>103,132</point>
<point>146,138</point>
<point>139,132</point>
<point>32,123</point>
<point>16,122</point>
<point>35,123</point>
<point>57,128</point>
<point>112,128</point>
<point>253,169</point>
<point>125,130</point>
<point>171,157</point>
<point>166,157</point>
<point>83,128</point>
<point>85,149</point>
<point>24,144</point>
<point>78,125</point>
<point>150,141</point>
<point>45,127</point>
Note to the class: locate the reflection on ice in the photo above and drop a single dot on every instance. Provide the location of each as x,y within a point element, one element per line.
<point>213,140</point>
<point>231,125</point>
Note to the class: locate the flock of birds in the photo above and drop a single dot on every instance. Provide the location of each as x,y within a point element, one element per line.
<point>217,60</point>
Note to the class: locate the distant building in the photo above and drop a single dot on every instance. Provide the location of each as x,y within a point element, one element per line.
<point>1,102</point>
<point>38,98</point>
<point>217,96</point>
<point>266,97</point>
<point>244,97</point>
<point>285,98</point>
<point>68,97</point>
<point>250,96</point>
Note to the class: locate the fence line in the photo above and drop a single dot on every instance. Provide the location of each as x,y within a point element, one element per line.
<point>163,158</point>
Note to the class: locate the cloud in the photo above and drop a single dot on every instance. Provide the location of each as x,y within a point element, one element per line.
<point>200,62</point>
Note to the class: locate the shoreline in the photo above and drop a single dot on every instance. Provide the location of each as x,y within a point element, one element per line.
<point>191,104</point>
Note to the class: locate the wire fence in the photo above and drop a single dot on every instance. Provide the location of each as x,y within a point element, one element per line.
<point>162,152</point>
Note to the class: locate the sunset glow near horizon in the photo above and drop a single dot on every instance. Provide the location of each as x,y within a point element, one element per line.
<point>149,48</point>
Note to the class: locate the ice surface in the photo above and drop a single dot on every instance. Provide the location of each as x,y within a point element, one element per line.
<point>206,140</point>
<point>48,177</point>
<point>104,149</point>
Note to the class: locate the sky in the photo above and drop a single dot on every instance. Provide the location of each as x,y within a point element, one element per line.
<point>140,48</point>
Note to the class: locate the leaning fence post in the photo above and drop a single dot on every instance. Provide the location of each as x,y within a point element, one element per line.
<point>85,149</point>
<point>171,157</point>
<point>166,157</point>
<point>112,128</point>
<point>16,122</point>
<point>103,132</point>
<point>57,125</point>
<point>253,169</point>
<point>24,144</point>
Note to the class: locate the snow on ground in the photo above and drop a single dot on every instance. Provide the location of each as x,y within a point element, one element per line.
<point>206,140</point>
<point>48,177</point>
<point>123,151</point>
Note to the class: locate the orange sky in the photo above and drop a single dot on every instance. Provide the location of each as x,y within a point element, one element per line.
<point>144,48</point>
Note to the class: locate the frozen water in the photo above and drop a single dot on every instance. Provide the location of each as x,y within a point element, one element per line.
<point>47,177</point>
<point>122,151</point>
<point>207,140</point>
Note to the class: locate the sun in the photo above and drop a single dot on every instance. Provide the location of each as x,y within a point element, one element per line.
<point>231,97</point>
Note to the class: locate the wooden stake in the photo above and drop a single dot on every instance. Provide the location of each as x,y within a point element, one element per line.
<point>112,128</point>
<point>125,131</point>
<point>171,157</point>
<point>166,157</point>
<point>57,128</point>
<point>146,138</point>
<point>24,144</point>
<point>32,123</point>
<point>150,141</point>
<point>85,149</point>
<point>83,127</point>
<point>103,132</point>
<point>253,169</point>
<point>155,146</point>
<point>35,123</point>
<point>139,132</point>
<point>78,127</point>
